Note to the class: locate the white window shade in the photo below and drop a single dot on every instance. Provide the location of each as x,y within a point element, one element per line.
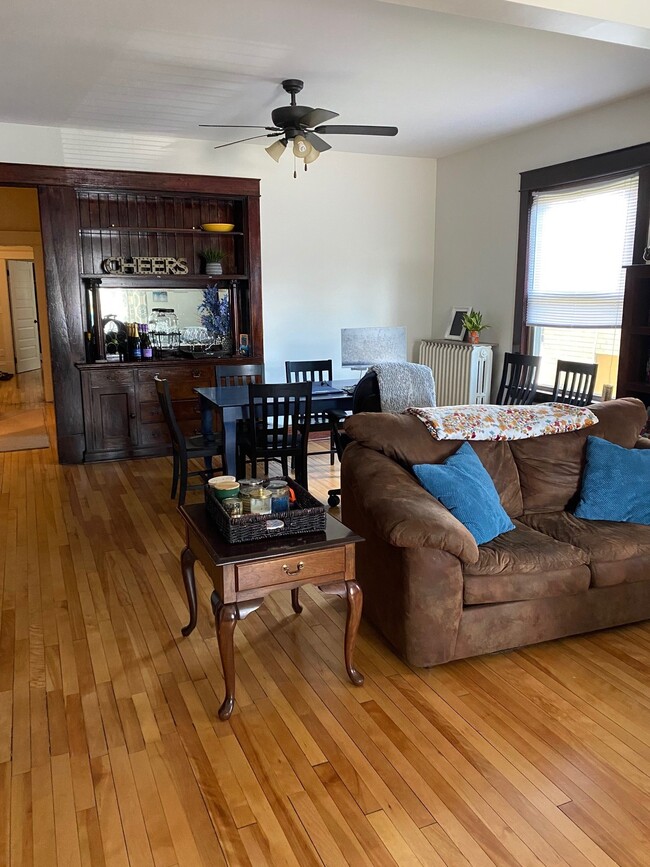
<point>579,241</point>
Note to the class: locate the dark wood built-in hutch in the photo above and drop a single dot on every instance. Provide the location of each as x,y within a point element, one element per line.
<point>108,409</point>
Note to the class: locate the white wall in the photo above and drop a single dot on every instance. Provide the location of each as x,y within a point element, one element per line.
<point>477,208</point>
<point>349,243</point>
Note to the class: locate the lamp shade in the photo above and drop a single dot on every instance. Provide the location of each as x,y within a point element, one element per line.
<point>276,150</point>
<point>301,146</point>
<point>312,156</point>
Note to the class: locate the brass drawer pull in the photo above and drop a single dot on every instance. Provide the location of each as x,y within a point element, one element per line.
<point>196,374</point>
<point>288,571</point>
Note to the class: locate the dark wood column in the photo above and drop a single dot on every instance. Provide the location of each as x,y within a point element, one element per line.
<point>60,232</point>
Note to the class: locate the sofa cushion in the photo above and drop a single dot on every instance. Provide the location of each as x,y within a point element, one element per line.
<point>615,484</point>
<point>550,467</point>
<point>406,440</point>
<point>463,485</point>
<point>618,553</point>
<point>525,564</point>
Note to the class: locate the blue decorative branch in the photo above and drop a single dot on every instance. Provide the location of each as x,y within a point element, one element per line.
<point>215,312</point>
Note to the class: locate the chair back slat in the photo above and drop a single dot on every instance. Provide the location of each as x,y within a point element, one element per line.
<point>279,416</point>
<point>165,400</point>
<point>238,374</point>
<point>519,379</point>
<point>309,371</point>
<point>574,382</point>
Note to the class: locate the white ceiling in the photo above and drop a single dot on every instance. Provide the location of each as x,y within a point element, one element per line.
<point>448,81</point>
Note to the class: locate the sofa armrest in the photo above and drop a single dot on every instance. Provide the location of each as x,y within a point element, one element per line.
<point>400,510</point>
<point>642,443</point>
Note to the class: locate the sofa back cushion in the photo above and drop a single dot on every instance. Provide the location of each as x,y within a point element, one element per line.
<point>550,467</point>
<point>404,439</point>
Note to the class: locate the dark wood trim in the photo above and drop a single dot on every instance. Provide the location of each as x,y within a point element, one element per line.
<point>519,336</point>
<point>587,168</point>
<point>17,174</point>
<point>60,229</point>
<point>619,162</point>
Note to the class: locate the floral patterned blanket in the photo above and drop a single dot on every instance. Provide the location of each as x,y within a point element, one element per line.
<point>487,422</point>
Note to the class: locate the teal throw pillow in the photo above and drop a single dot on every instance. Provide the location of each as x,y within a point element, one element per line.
<point>464,486</point>
<point>615,484</point>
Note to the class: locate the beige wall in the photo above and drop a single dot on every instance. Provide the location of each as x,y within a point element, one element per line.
<point>477,208</point>
<point>20,227</point>
<point>348,243</point>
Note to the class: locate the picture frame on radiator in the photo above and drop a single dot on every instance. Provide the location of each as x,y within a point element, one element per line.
<point>455,330</point>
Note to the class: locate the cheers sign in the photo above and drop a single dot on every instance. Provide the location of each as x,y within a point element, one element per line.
<point>144,265</point>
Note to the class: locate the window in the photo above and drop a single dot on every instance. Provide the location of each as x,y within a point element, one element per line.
<point>580,238</point>
<point>580,223</point>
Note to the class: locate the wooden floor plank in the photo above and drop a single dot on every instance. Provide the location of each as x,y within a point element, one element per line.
<point>112,754</point>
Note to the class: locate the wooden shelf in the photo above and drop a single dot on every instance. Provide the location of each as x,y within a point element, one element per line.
<point>152,230</point>
<point>170,280</point>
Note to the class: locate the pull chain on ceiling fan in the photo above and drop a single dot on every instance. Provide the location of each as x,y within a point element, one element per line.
<point>300,124</point>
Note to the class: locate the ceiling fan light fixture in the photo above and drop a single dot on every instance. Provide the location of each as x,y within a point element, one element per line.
<point>276,150</point>
<point>301,146</point>
<point>312,156</point>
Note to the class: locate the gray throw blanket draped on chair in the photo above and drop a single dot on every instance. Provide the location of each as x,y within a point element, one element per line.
<point>402,384</point>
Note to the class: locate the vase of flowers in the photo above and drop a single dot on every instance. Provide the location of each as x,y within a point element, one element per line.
<point>215,315</point>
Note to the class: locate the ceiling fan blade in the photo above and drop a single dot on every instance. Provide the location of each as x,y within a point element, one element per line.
<point>357,130</point>
<point>235,126</point>
<point>316,116</point>
<point>317,142</point>
<point>250,138</point>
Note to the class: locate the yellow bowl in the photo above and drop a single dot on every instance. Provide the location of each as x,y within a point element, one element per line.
<point>218,227</point>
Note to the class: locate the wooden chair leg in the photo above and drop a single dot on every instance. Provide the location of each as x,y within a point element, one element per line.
<point>174,475</point>
<point>183,491</point>
<point>332,447</point>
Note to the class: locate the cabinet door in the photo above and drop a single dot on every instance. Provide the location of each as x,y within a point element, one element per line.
<point>113,414</point>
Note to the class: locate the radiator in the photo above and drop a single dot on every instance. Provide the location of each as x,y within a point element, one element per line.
<point>462,371</point>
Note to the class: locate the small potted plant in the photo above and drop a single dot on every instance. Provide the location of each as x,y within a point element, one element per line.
<point>473,323</point>
<point>212,259</point>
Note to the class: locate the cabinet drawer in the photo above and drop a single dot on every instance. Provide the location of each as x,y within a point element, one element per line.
<point>150,411</point>
<point>154,434</point>
<point>183,379</point>
<point>103,377</point>
<point>269,572</point>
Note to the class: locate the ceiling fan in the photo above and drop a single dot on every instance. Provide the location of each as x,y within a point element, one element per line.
<point>300,124</point>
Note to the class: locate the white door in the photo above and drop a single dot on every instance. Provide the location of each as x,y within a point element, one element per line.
<point>24,320</point>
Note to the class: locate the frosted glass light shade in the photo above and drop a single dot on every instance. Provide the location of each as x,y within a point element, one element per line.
<point>276,150</point>
<point>301,146</point>
<point>312,156</point>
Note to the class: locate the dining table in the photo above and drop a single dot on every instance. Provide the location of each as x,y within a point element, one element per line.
<point>231,402</point>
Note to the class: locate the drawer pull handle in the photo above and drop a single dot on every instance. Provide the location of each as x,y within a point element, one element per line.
<point>288,571</point>
<point>196,374</point>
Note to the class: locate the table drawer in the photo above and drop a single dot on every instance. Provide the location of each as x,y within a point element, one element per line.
<point>283,570</point>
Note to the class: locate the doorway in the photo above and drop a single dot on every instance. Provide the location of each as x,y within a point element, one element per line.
<point>26,381</point>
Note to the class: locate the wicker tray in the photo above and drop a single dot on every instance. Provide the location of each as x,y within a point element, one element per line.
<point>306,516</point>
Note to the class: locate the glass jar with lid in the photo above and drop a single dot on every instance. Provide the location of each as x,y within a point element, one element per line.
<point>163,328</point>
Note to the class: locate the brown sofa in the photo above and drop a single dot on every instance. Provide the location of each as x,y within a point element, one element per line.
<point>435,595</point>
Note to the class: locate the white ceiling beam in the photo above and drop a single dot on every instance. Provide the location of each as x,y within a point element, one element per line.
<point>624,22</point>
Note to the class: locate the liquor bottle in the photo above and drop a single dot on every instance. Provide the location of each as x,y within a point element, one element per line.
<point>135,352</point>
<point>145,343</point>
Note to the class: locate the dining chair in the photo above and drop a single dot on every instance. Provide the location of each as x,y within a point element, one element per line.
<point>314,371</point>
<point>277,428</point>
<point>365,398</point>
<point>519,379</point>
<point>574,382</point>
<point>238,374</point>
<point>185,448</point>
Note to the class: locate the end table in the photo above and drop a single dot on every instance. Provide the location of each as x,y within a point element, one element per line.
<point>244,574</point>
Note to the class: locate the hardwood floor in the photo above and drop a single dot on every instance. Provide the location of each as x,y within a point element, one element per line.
<point>111,752</point>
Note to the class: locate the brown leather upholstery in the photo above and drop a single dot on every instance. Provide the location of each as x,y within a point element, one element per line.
<point>616,551</point>
<point>435,595</point>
